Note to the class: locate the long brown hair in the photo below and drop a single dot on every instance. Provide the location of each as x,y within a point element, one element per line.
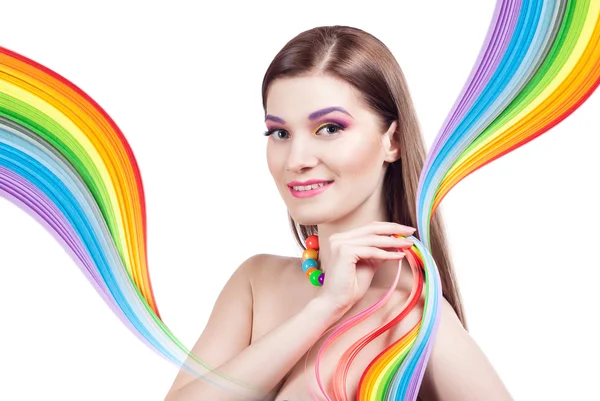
<point>366,63</point>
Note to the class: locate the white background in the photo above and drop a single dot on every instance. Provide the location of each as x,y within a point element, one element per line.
<point>183,82</point>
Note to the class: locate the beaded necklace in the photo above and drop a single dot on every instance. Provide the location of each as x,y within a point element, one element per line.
<point>310,265</point>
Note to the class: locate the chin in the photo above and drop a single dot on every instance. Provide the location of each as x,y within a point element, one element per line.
<point>311,216</point>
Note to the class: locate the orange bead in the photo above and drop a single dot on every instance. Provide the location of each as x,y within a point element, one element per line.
<point>310,254</point>
<point>312,242</point>
<point>309,271</point>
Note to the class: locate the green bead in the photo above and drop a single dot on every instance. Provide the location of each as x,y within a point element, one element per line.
<point>314,278</point>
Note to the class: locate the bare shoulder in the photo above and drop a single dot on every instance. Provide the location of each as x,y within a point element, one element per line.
<point>269,275</point>
<point>457,368</point>
<point>279,290</point>
<point>236,315</point>
<point>267,267</point>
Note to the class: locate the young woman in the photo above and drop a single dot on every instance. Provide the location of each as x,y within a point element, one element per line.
<point>345,151</point>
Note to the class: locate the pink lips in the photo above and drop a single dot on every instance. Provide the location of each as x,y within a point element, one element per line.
<point>310,192</point>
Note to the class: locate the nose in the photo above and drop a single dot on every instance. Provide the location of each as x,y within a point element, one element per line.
<point>301,154</point>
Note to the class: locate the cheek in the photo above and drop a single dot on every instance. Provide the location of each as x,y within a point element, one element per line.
<point>274,159</point>
<point>360,158</point>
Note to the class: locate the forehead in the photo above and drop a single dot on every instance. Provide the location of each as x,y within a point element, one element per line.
<point>295,98</point>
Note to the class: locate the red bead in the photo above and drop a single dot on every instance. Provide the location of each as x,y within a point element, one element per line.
<point>312,242</point>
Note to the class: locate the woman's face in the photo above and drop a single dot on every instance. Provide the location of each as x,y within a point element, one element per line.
<point>326,151</point>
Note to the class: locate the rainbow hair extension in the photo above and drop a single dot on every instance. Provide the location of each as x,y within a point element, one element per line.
<point>540,61</point>
<point>65,161</point>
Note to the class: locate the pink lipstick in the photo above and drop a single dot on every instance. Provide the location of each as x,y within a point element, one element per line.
<point>306,189</point>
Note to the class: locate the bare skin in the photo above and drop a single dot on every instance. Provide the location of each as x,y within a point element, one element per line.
<point>268,316</point>
<point>455,358</point>
<point>295,289</point>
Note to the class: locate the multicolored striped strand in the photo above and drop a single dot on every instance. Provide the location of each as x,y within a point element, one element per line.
<point>64,161</point>
<point>539,62</point>
<point>67,163</point>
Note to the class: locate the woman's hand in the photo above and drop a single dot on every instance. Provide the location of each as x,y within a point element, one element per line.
<point>355,256</point>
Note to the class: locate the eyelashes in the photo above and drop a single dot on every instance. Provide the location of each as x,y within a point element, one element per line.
<point>337,126</point>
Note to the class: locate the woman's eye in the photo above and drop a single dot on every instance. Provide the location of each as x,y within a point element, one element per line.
<point>331,129</point>
<point>278,134</point>
<point>281,134</point>
<point>325,130</point>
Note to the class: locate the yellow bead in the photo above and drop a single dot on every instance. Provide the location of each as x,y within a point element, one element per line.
<point>310,254</point>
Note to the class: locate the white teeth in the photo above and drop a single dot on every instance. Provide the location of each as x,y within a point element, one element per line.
<point>308,187</point>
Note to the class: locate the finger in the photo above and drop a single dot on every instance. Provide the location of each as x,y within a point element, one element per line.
<point>368,252</point>
<point>381,241</point>
<point>380,228</point>
<point>402,229</point>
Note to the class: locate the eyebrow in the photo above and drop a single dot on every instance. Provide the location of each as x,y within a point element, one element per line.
<point>312,116</point>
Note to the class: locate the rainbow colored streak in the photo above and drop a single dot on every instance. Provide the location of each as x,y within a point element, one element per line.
<point>63,158</point>
<point>65,161</point>
<point>539,62</point>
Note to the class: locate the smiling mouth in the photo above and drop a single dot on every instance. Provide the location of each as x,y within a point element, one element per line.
<point>302,188</point>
